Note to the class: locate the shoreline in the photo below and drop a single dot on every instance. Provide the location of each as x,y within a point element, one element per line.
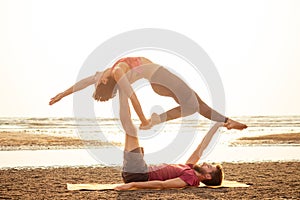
<point>28,141</point>
<point>46,151</point>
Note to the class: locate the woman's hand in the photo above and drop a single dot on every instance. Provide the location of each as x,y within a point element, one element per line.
<point>126,186</point>
<point>146,125</point>
<point>56,98</point>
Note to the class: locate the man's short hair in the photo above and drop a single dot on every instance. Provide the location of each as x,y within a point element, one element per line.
<point>217,177</point>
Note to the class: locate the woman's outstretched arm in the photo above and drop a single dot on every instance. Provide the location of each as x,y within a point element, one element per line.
<point>125,86</point>
<point>76,87</point>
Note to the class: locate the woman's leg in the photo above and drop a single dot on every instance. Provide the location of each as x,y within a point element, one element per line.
<point>168,84</point>
<point>208,112</point>
<point>170,114</point>
<point>175,113</point>
<point>211,114</point>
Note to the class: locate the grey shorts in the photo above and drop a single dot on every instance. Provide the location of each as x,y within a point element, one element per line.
<point>135,168</point>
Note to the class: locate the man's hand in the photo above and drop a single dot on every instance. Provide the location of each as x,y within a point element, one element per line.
<point>126,186</point>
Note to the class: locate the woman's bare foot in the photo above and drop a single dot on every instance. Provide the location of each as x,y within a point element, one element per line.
<point>231,124</point>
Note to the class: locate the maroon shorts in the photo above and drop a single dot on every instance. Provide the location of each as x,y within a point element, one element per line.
<point>135,168</point>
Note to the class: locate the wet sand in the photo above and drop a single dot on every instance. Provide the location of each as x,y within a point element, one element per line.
<point>288,138</point>
<point>268,180</point>
<point>28,141</point>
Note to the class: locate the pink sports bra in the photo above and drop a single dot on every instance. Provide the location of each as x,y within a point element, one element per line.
<point>131,61</point>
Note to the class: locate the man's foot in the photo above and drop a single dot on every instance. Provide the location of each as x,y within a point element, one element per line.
<point>231,124</point>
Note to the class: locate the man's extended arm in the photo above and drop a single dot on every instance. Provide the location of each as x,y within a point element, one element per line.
<point>171,183</point>
<point>194,158</point>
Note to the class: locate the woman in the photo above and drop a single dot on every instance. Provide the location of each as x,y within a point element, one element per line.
<point>130,69</point>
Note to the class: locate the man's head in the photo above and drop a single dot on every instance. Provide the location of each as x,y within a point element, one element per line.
<point>210,174</point>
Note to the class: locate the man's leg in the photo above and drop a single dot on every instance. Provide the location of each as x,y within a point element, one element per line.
<point>131,137</point>
<point>131,142</point>
<point>134,167</point>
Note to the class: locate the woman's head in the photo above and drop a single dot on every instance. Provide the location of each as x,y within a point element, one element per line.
<point>106,74</point>
<point>105,90</point>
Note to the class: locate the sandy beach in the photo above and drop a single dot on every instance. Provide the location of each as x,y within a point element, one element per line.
<point>267,180</point>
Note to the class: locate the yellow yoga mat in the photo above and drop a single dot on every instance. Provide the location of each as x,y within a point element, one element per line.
<point>97,186</point>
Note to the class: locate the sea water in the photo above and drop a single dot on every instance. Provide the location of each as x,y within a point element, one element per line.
<point>188,130</point>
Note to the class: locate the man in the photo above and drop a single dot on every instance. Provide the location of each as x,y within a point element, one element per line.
<point>136,173</point>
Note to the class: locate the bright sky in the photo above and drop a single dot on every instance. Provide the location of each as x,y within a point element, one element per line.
<point>255,46</point>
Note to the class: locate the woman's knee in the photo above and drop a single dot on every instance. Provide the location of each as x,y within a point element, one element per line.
<point>163,91</point>
<point>190,106</point>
